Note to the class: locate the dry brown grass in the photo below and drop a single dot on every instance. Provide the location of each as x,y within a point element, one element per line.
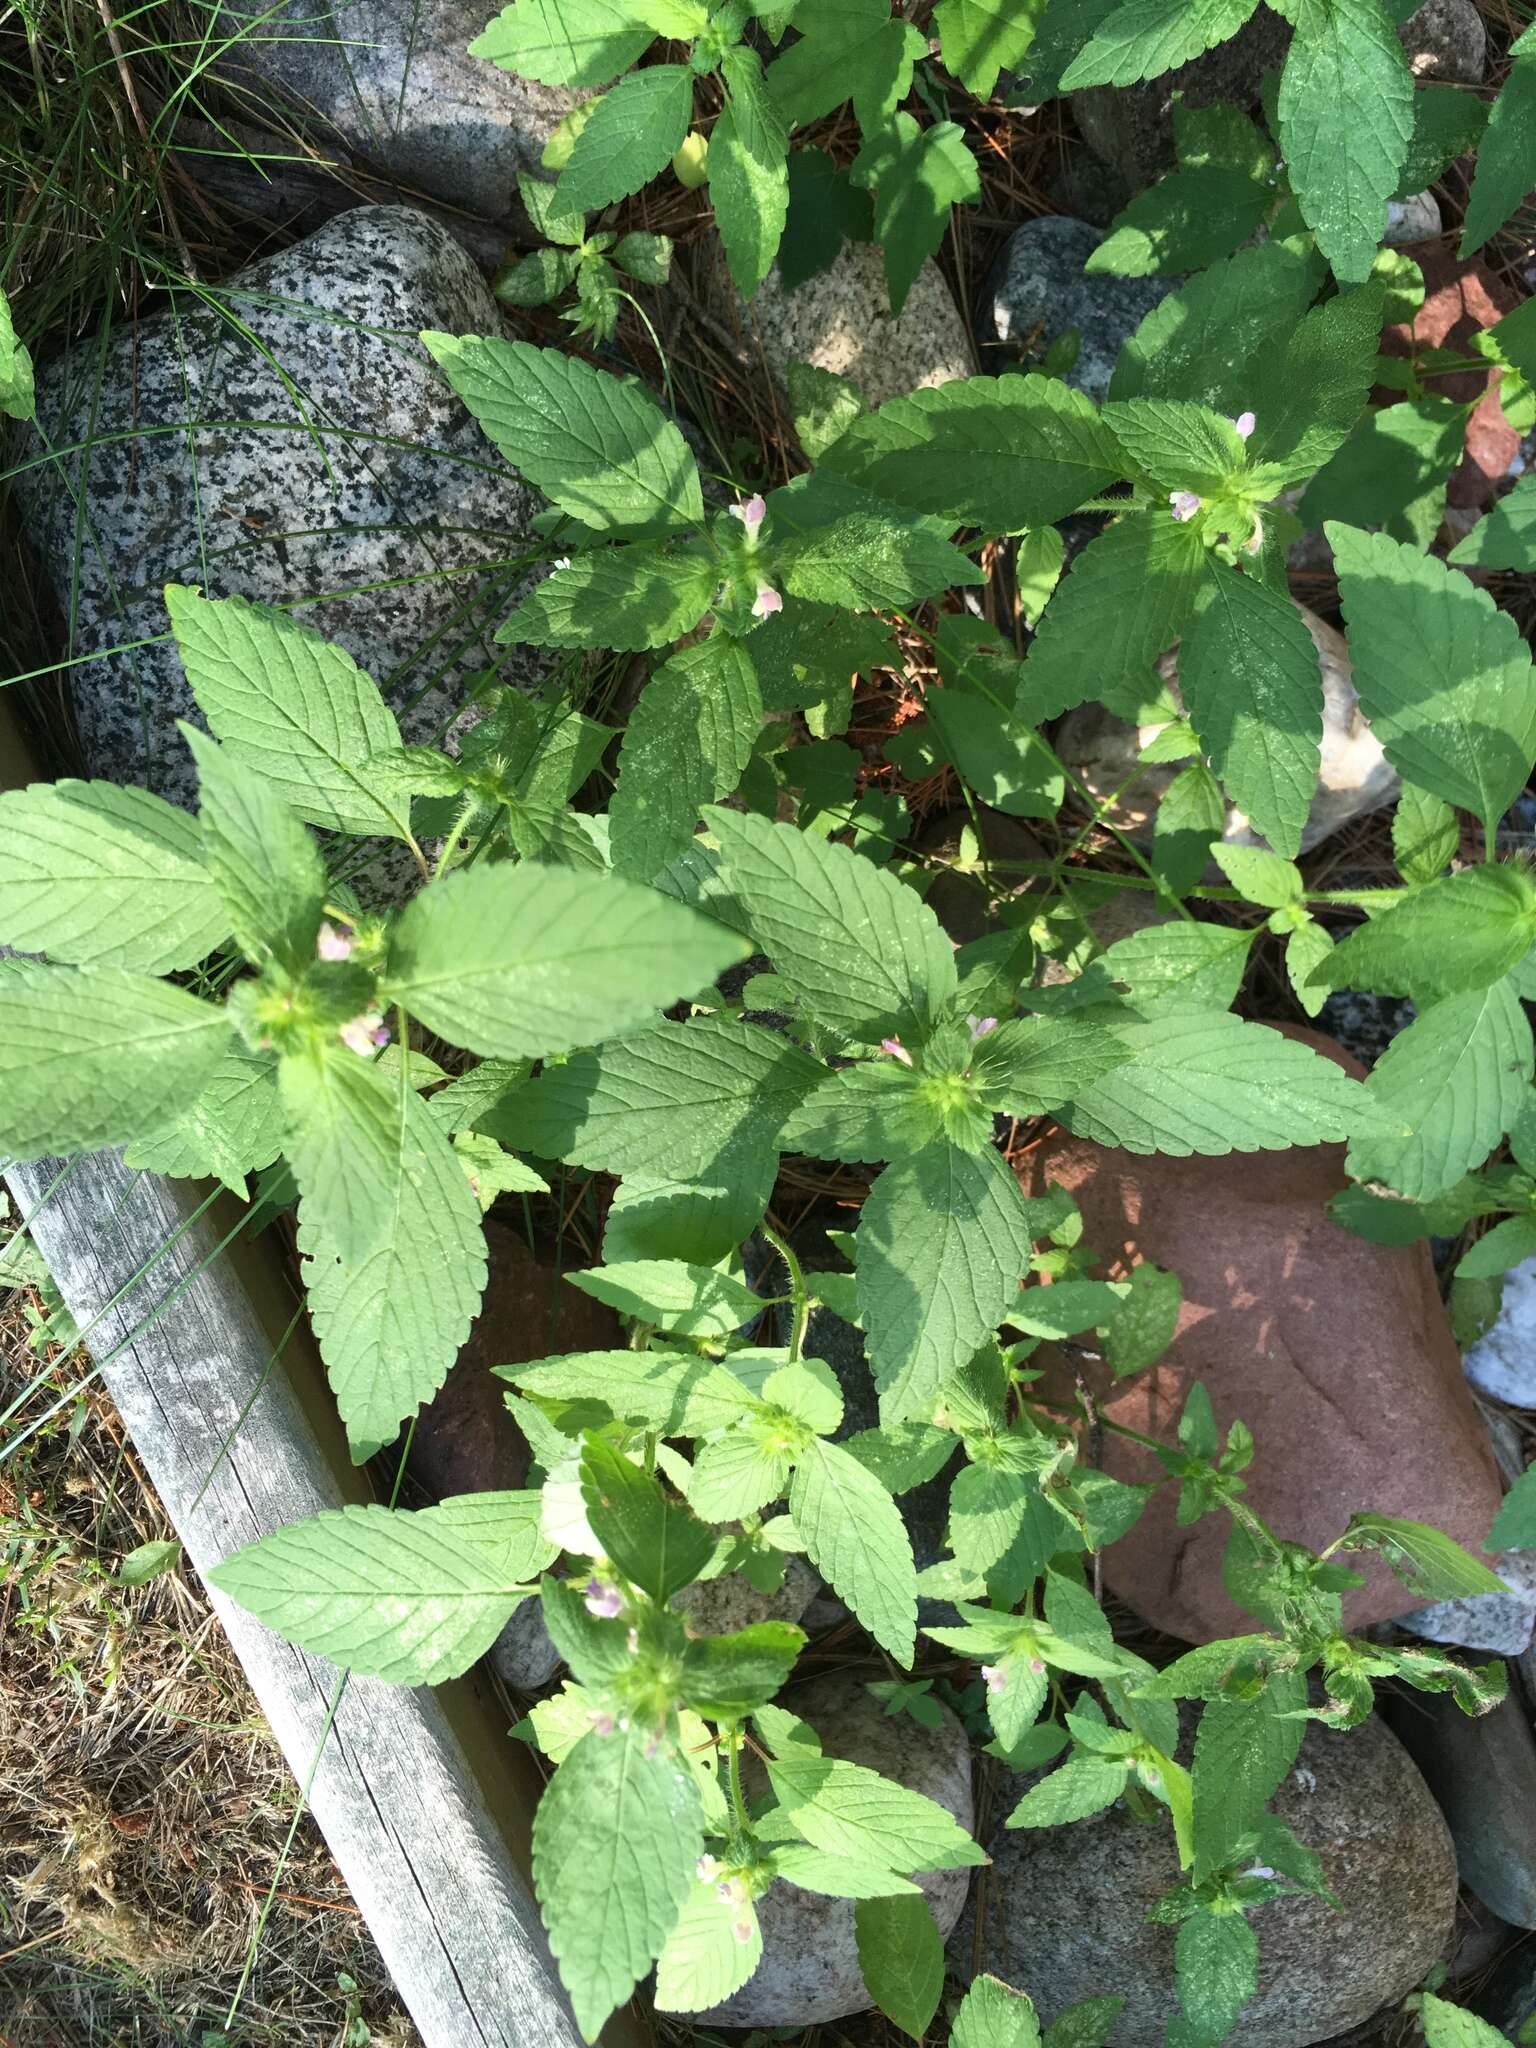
<point>145,1804</point>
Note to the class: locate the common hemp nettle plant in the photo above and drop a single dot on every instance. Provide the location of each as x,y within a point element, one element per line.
<point>1353,130</point>
<point>211,994</point>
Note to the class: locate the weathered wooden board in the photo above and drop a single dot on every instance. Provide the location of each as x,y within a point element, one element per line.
<point>233,1452</point>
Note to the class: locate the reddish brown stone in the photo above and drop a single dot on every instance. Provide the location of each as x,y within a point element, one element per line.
<point>1460,300</point>
<point>1336,1353</point>
<point>466,1442</point>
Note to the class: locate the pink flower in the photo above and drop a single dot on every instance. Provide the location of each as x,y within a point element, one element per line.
<point>364,1034</point>
<point>751,512</point>
<point>1185,504</point>
<point>994,1678</point>
<point>742,1929</point>
<point>1037,1665</point>
<point>603,1601</point>
<point>896,1050</point>
<point>601,1723</point>
<point>766,602</point>
<point>1245,424</point>
<point>980,1026</point>
<point>331,944</point>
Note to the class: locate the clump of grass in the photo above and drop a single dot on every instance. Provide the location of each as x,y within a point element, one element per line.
<point>146,1802</point>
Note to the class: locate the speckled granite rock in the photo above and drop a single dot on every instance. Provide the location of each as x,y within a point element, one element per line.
<point>1482,1772</point>
<point>1064,1908</point>
<point>1446,42</point>
<point>1354,775</point>
<point>810,1967</point>
<point>1501,1622</point>
<point>1038,290</point>
<point>362,470</point>
<point>717,1607</point>
<point>1131,127</point>
<point>841,320</point>
<point>394,80</point>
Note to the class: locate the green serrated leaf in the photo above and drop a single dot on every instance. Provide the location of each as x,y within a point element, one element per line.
<point>1217,1965</point>
<point>992,2015</point>
<point>916,175</point>
<point>1506,538</point>
<point>97,875</point>
<point>1244,1749</point>
<point>712,1951</point>
<point>656,1543</point>
<point>695,1301</point>
<point>1248,670</point>
<point>1082,1786</point>
<point>1452,1083</point>
<point>627,599</point>
<point>291,706</point>
<point>1345,114</point>
<point>1506,162</point>
<point>748,172</point>
<point>944,1240</point>
<point>688,742</point>
<point>564,42</point>
<point>862,949</point>
<point>857,1540</point>
<point>414,1598</point>
<point>93,1056</point>
<point>901,1959</point>
<point>1198,1083</point>
<point>1001,453</point>
<point>850,1812</point>
<point>846,50</point>
<point>1431,1564</point>
<point>1144,38</point>
<point>615,1840</point>
<point>391,1321</point>
<point>1462,932</point>
<point>1125,600</point>
<point>599,447</point>
<point>630,137</point>
<point>526,960</point>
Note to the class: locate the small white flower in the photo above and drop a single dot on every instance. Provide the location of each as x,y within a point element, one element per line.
<point>994,1678</point>
<point>331,944</point>
<point>980,1026</point>
<point>896,1050</point>
<point>365,1034</point>
<point>767,602</point>
<point>706,1869</point>
<point>1245,424</point>
<point>751,512</point>
<point>603,1601</point>
<point>601,1723</point>
<point>563,562</point>
<point>742,1929</point>
<point>1184,504</point>
<point>1259,1870</point>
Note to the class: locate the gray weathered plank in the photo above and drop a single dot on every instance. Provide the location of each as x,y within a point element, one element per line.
<point>392,1790</point>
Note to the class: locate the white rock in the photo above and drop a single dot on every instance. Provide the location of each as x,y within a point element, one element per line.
<point>1502,1362</point>
<point>841,320</point>
<point>1414,219</point>
<point>1354,775</point>
<point>1500,1622</point>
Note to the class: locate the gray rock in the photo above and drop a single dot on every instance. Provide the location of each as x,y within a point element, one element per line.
<point>1501,1622</point>
<point>1131,127</point>
<point>1038,291</point>
<point>1364,1023</point>
<point>394,81</point>
<point>841,320</point>
<point>1354,775</point>
<point>716,1607</point>
<point>810,1968</point>
<point>1503,1361</point>
<point>1446,42</point>
<point>1482,1772</point>
<point>1414,219</point>
<point>1508,2000</point>
<point>1063,1909</point>
<point>354,471</point>
<point>522,1656</point>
